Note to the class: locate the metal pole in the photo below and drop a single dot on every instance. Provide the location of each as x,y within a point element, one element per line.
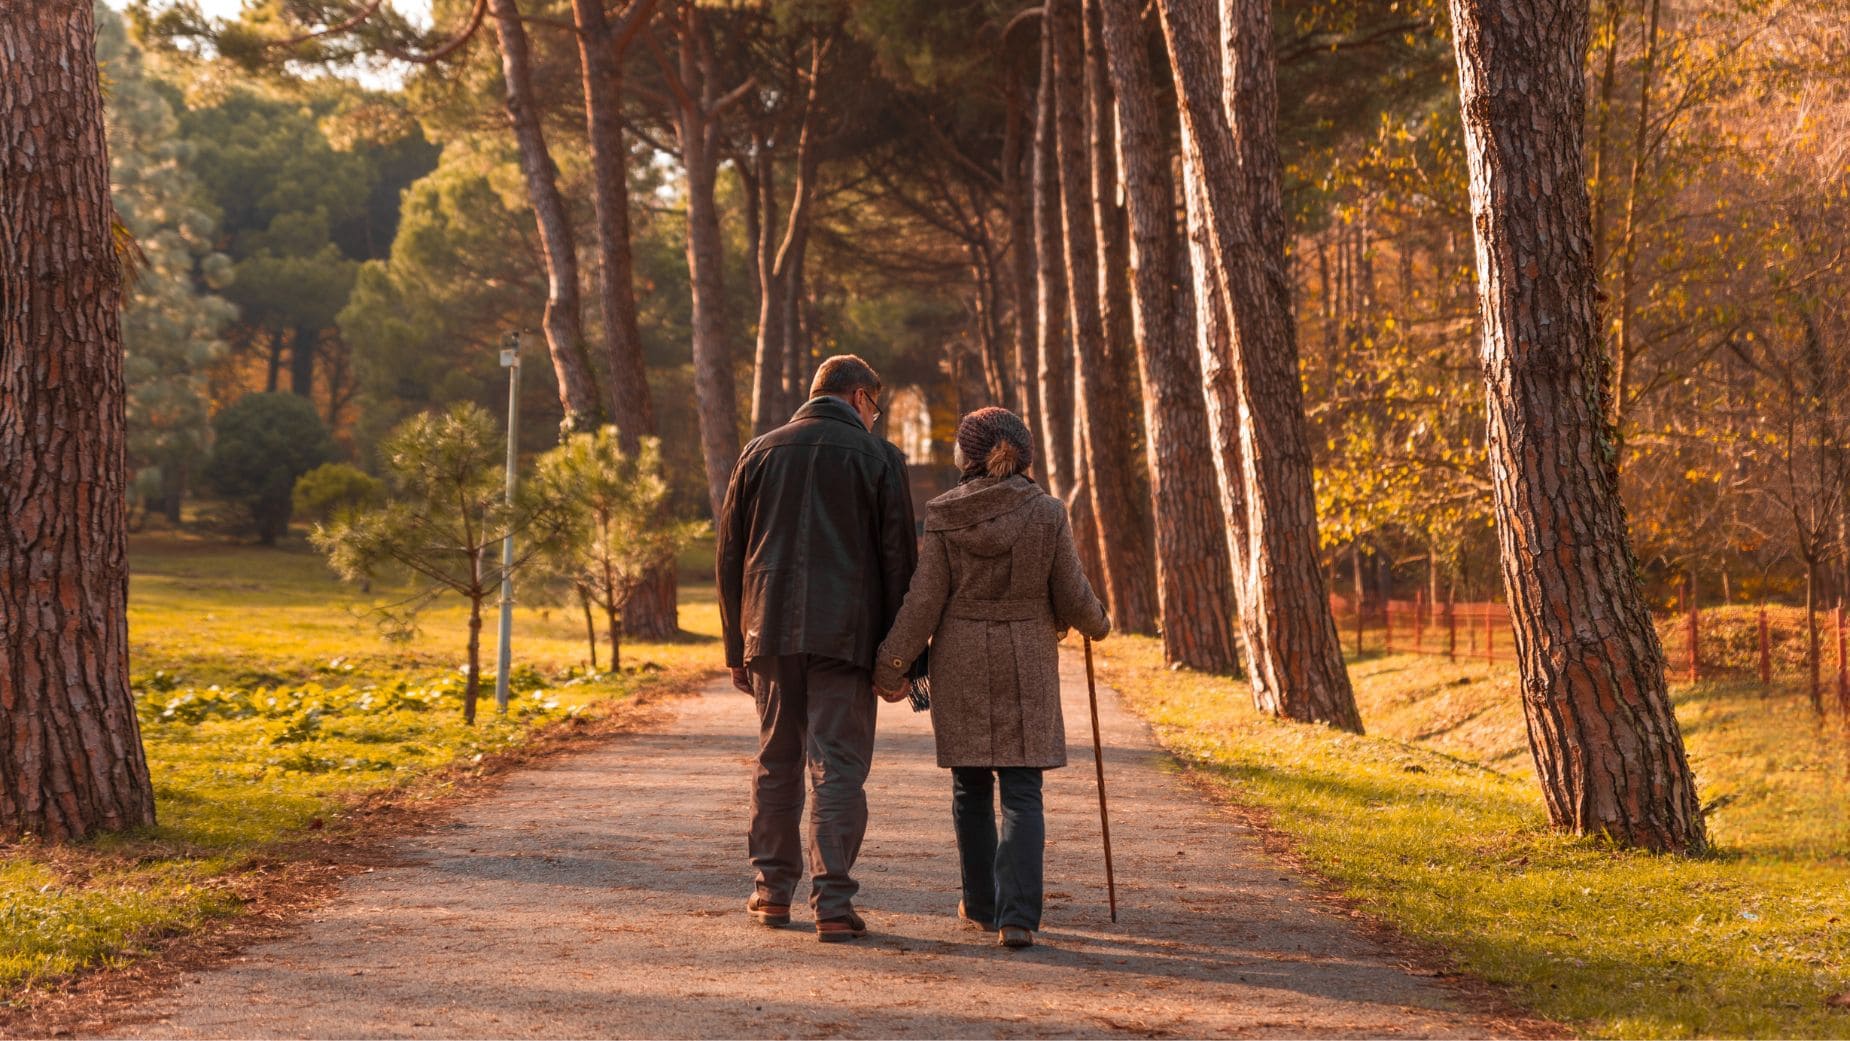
<point>510,360</point>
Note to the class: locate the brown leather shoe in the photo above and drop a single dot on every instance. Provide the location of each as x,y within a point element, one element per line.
<point>766,913</point>
<point>1015,936</point>
<point>840,929</point>
<point>979,923</point>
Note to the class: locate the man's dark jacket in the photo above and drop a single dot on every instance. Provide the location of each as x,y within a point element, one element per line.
<point>816,540</point>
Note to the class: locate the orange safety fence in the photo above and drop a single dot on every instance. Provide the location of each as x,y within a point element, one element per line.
<point>1762,641</point>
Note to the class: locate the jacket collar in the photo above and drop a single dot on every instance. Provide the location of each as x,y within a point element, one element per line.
<point>829,408</point>
<point>976,501</point>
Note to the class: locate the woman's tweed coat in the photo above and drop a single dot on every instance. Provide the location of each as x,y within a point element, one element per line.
<point>997,586</point>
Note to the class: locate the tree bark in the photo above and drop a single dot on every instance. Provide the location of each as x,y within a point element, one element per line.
<point>1055,376</point>
<point>1120,523</point>
<point>1220,393</point>
<point>1602,132</point>
<point>614,626</point>
<point>302,361</point>
<point>600,49</point>
<point>1628,241</point>
<point>761,221</point>
<point>584,601</point>
<point>1018,202</point>
<point>1194,578</point>
<point>1230,135</point>
<point>472,679</point>
<point>652,609</point>
<point>71,762</point>
<point>563,320</point>
<point>1605,740</point>
<point>778,365</point>
<point>697,129</point>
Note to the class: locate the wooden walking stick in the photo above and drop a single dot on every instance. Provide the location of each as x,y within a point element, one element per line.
<point>1098,760</point>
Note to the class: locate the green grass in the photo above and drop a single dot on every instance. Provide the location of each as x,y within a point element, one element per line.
<point>269,703</point>
<point>1435,823</point>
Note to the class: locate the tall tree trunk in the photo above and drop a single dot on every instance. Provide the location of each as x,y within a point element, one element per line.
<point>796,328</point>
<point>1814,656</point>
<point>1220,394</point>
<point>613,625</point>
<point>1055,374</point>
<point>1018,202</point>
<point>272,379</point>
<point>1194,578</point>
<point>302,362</point>
<point>1602,132</point>
<point>71,762</point>
<point>1108,216</point>
<point>1120,522</point>
<point>987,283</point>
<point>600,47</point>
<point>1628,240</point>
<point>174,476</point>
<point>652,608</point>
<point>768,396</point>
<point>1605,740</point>
<point>563,320</point>
<point>1229,135</point>
<point>584,601</point>
<point>696,123</point>
<point>778,367</point>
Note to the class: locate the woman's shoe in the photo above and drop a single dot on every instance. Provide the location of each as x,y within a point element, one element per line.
<point>1015,936</point>
<point>979,923</point>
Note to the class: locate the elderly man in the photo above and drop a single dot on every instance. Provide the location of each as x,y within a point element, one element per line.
<point>816,547</point>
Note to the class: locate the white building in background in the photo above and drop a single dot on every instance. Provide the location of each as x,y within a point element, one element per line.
<point>909,423</point>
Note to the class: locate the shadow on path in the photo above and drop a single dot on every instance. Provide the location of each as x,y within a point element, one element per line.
<point>602,894</point>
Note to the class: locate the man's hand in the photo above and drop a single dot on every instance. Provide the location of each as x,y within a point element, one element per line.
<point>896,694</point>
<point>742,679</point>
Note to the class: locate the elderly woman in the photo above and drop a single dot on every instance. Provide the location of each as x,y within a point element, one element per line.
<point>998,585</point>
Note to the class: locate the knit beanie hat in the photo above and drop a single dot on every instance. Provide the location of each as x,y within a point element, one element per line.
<point>995,443</point>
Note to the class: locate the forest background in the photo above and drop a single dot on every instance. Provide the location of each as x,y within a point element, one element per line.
<point>368,247</point>
<point>1355,354</point>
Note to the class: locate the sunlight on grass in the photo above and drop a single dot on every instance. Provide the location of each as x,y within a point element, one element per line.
<point>1435,823</point>
<point>268,700</point>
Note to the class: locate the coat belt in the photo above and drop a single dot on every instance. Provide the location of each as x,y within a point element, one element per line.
<point>999,610</point>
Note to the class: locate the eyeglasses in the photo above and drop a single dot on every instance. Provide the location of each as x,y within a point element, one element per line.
<point>873,403</point>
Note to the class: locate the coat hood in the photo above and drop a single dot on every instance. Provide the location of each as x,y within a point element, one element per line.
<point>984,516</point>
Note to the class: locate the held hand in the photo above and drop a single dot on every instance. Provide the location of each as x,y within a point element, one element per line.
<point>896,694</point>
<point>742,679</point>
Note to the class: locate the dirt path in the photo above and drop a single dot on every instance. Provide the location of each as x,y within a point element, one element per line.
<point>601,895</point>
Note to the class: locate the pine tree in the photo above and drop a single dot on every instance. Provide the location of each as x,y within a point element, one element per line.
<point>171,318</point>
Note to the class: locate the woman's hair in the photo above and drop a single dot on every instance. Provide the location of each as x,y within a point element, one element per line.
<point>1004,460</point>
<point>994,442</point>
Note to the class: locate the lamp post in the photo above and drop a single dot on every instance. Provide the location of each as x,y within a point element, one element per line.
<point>510,360</point>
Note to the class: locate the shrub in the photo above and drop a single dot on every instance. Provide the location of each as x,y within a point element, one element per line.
<point>261,444</point>
<point>334,490</point>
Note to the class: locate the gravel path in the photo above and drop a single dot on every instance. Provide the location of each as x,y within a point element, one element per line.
<point>601,894</point>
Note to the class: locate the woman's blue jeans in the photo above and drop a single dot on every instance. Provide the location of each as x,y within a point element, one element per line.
<point>1002,874</point>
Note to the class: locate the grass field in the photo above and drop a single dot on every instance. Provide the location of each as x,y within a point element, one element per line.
<point>269,701</point>
<point>1434,822</point>
<point>270,704</point>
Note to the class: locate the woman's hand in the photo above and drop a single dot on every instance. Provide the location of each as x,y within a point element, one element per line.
<point>896,694</point>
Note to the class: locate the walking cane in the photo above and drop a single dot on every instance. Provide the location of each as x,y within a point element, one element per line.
<point>1098,760</point>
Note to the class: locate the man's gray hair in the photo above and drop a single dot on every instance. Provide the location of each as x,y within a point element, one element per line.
<point>842,375</point>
